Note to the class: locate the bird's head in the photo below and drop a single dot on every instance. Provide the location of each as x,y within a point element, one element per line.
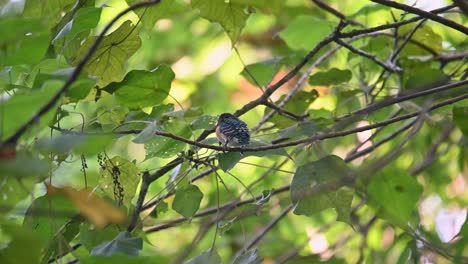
<point>225,116</point>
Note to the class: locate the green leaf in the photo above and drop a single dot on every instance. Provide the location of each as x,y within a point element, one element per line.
<point>124,243</point>
<point>428,78</point>
<point>330,77</point>
<point>394,193</point>
<point>109,111</point>
<point>90,238</point>
<point>187,200</point>
<point>149,16</point>
<point>207,257</point>
<point>143,88</point>
<point>228,160</point>
<point>297,105</point>
<point>203,122</point>
<point>109,59</point>
<point>22,240</point>
<point>249,257</point>
<point>229,15</point>
<point>24,41</point>
<point>84,19</point>
<point>305,32</point>
<point>165,147</point>
<point>460,117</point>
<point>424,36</point>
<point>119,179</point>
<point>146,134</point>
<point>59,207</point>
<point>19,108</point>
<point>79,143</point>
<point>160,209</point>
<point>318,185</point>
<point>123,259</point>
<point>262,71</point>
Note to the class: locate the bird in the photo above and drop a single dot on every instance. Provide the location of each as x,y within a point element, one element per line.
<point>231,131</point>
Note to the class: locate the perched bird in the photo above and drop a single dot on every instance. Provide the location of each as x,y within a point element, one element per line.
<point>231,131</point>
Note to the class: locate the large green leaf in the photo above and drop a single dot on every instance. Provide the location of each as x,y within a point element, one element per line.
<point>426,79</point>
<point>318,185</point>
<point>304,32</point>
<point>109,60</point>
<point>424,36</point>
<point>297,105</point>
<point>79,143</point>
<point>229,15</point>
<point>187,200</point>
<point>143,88</point>
<point>119,179</point>
<point>394,193</point>
<point>152,14</point>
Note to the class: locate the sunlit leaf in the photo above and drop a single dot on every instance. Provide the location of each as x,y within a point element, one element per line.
<point>298,34</point>
<point>187,200</point>
<point>110,112</point>
<point>119,179</point>
<point>109,59</point>
<point>149,16</point>
<point>394,193</point>
<point>424,36</point>
<point>229,15</point>
<point>143,88</point>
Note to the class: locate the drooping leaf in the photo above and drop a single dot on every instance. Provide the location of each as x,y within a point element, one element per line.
<point>318,185</point>
<point>187,200</point>
<point>146,134</point>
<point>207,257</point>
<point>394,193</point>
<point>143,88</point>
<point>164,147</point>
<point>229,15</point>
<point>249,257</point>
<point>123,243</point>
<point>119,179</point>
<point>460,117</point>
<point>330,77</point>
<point>298,34</point>
<point>109,59</point>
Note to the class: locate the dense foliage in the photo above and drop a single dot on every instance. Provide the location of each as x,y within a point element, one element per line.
<point>358,113</point>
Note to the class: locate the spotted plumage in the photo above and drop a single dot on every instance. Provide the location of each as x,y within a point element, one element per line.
<point>231,131</point>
